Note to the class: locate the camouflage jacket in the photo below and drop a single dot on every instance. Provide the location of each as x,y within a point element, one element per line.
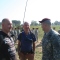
<point>51,46</point>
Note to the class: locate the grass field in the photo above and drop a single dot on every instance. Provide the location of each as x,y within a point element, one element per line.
<point>38,53</point>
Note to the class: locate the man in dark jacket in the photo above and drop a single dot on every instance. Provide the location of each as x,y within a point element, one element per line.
<point>7,48</point>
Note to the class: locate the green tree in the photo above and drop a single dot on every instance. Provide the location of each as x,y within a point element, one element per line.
<point>56,23</point>
<point>34,23</point>
<point>16,23</point>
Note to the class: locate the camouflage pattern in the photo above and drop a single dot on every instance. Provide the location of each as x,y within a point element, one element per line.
<point>51,46</point>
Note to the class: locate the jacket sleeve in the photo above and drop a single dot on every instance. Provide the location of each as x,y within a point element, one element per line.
<point>56,47</point>
<point>1,40</point>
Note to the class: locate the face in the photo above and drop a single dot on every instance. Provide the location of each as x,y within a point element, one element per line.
<point>7,26</point>
<point>44,26</point>
<point>26,26</point>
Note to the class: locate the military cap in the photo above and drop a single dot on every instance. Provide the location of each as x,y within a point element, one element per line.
<point>46,20</point>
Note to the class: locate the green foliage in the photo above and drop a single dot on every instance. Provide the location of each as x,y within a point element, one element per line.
<point>56,23</point>
<point>57,27</point>
<point>16,23</point>
<point>34,23</point>
<point>41,33</point>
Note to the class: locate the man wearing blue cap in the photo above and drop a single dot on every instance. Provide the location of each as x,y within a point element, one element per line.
<point>50,41</point>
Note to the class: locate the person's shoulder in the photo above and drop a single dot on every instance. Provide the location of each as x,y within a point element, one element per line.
<point>1,33</point>
<point>21,33</point>
<point>31,33</point>
<point>55,34</point>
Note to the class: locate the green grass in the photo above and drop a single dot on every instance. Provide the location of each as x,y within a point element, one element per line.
<point>40,34</point>
<point>38,53</point>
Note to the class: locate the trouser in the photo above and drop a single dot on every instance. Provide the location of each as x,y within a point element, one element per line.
<point>24,56</point>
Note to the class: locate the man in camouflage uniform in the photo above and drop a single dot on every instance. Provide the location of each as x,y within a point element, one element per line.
<point>50,41</point>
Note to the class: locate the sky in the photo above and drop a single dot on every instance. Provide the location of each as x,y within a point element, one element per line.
<point>36,10</point>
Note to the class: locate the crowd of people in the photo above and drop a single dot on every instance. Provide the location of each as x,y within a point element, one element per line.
<point>15,32</point>
<point>35,32</point>
<point>26,41</point>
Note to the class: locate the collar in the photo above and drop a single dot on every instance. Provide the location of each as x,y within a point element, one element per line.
<point>28,33</point>
<point>48,32</point>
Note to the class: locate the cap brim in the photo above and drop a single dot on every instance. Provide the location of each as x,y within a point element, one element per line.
<point>40,21</point>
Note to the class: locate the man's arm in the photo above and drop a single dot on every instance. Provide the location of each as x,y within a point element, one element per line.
<point>19,44</point>
<point>56,48</point>
<point>34,47</point>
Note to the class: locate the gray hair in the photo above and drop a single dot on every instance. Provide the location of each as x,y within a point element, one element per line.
<point>26,23</point>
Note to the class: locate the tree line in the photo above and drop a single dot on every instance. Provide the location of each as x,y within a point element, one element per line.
<point>33,23</point>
